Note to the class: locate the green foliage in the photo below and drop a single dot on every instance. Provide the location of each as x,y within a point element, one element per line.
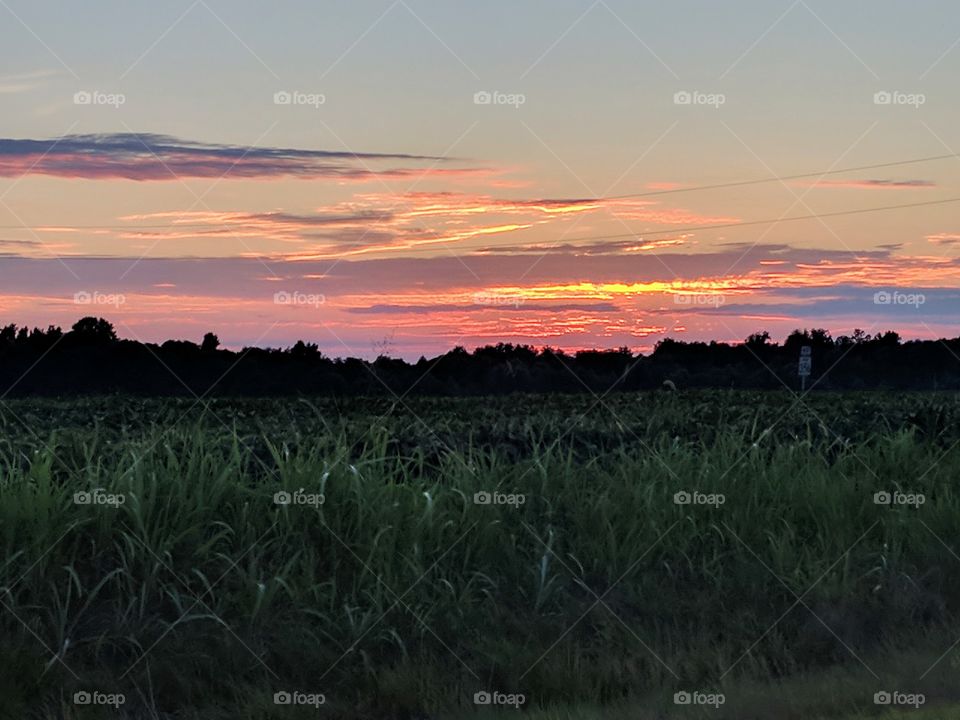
<point>198,596</point>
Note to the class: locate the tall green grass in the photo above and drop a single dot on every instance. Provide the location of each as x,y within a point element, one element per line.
<point>399,596</point>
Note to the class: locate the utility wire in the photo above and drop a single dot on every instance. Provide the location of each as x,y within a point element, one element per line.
<point>784,178</point>
<point>773,221</point>
<point>651,193</point>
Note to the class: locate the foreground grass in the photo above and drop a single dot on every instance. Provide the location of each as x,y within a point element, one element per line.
<point>827,694</point>
<point>199,596</point>
<point>640,712</point>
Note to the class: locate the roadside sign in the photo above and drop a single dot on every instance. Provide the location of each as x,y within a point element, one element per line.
<point>806,365</point>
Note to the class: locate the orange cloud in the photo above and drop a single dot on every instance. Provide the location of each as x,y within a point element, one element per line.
<point>383,223</point>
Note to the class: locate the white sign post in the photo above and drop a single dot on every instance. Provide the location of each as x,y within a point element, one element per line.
<point>806,365</point>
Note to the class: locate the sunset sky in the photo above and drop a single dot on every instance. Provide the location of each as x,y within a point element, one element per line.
<point>408,176</point>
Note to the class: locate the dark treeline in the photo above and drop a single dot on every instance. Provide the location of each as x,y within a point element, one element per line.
<point>91,359</point>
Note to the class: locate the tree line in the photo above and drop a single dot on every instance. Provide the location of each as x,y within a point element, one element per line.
<point>91,359</point>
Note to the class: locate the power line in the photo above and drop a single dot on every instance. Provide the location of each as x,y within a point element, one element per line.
<point>773,221</point>
<point>650,193</point>
<point>784,178</point>
<point>671,231</point>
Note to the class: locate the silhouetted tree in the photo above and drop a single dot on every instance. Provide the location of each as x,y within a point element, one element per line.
<point>94,330</point>
<point>305,350</point>
<point>91,359</point>
<point>888,339</point>
<point>210,343</point>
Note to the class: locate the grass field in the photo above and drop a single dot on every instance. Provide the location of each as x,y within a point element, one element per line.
<point>590,558</point>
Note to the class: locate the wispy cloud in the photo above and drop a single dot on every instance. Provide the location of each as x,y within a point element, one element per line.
<point>385,223</point>
<point>873,184</point>
<point>24,82</point>
<point>440,307</point>
<point>944,239</point>
<point>146,157</point>
<point>8,244</point>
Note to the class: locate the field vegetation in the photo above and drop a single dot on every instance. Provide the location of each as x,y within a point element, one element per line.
<point>592,555</point>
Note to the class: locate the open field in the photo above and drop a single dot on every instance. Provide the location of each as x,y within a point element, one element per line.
<point>592,556</point>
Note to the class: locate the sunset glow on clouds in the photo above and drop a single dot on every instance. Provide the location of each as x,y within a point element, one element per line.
<point>598,212</point>
<point>382,223</point>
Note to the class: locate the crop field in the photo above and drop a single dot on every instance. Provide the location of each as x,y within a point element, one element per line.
<point>636,555</point>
